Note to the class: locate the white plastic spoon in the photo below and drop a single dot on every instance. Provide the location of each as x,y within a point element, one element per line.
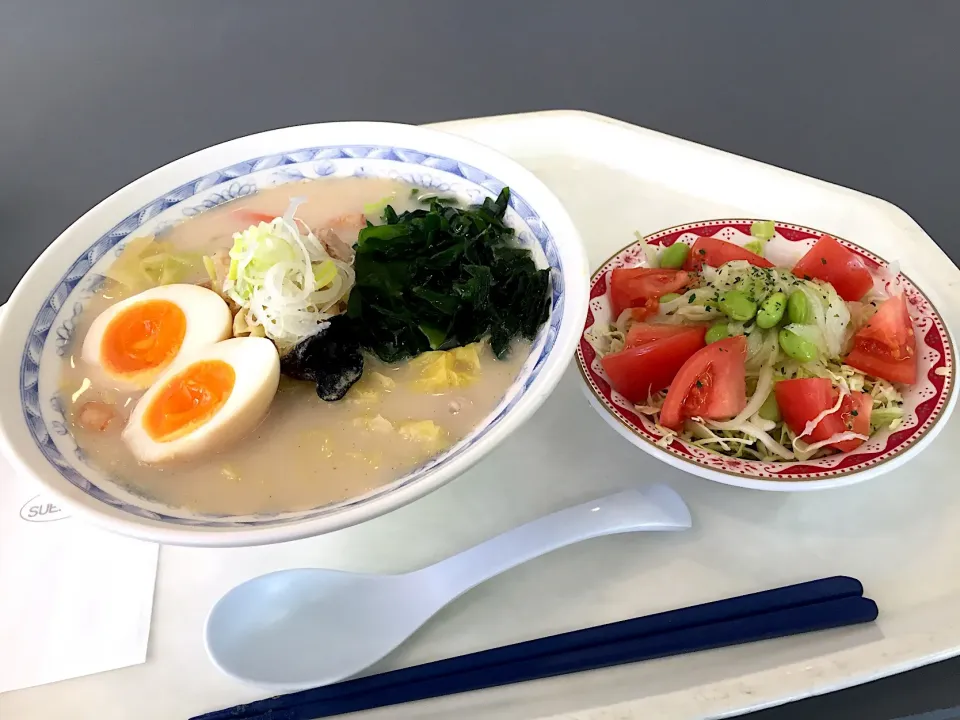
<point>302,628</point>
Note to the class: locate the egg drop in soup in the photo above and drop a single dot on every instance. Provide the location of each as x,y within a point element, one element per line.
<point>300,346</point>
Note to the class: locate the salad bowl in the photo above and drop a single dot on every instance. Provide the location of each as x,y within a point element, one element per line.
<point>922,407</point>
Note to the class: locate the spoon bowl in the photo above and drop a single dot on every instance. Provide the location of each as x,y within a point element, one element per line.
<point>307,617</point>
<point>308,627</point>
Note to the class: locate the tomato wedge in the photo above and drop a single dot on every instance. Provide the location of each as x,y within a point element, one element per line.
<point>647,368</point>
<point>886,346</point>
<point>855,413</point>
<point>649,309</point>
<point>831,262</point>
<point>641,333</point>
<point>801,400</point>
<point>711,384</point>
<point>716,252</point>
<point>633,287</point>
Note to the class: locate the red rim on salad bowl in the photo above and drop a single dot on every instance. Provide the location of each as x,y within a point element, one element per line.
<point>844,288</point>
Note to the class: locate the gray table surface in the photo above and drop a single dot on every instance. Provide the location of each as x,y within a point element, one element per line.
<point>864,94</point>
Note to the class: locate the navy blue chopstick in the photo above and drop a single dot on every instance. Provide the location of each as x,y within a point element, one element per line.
<point>806,618</point>
<point>816,605</point>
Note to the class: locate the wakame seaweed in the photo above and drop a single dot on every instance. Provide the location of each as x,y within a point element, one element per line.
<point>433,278</point>
<point>442,276</point>
<point>330,358</point>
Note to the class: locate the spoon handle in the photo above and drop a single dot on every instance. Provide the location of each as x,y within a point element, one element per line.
<point>655,508</point>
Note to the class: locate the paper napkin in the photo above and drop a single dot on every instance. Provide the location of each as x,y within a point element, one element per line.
<point>74,600</point>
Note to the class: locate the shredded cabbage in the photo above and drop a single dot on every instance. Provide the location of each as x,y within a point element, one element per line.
<point>285,280</point>
<point>145,263</point>
<point>650,253</point>
<point>774,449</point>
<point>210,267</point>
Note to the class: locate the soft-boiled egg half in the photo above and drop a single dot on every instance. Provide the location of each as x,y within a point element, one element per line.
<point>204,400</point>
<point>138,338</point>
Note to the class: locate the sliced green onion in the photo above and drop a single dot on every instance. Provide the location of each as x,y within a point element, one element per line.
<point>324,273</point>
<point>376,208</point>
<point>285,279</point>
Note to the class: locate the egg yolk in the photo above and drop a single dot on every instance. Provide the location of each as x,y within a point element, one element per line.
<point>189,399</point>
<point>145,336</point>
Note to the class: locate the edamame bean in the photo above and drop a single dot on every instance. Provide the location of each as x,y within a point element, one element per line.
<point>771,310</point>
<point>668,297</point>
<point>770,410</point>
<point>738,306</point>
<point>763,229</point>
<point>674,256</point>
<point>797,347</point>
<point>755,246</point>
<point>798,308</point>
<point>717,331</point>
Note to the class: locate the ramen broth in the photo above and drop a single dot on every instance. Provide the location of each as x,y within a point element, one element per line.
<point>306,453</point>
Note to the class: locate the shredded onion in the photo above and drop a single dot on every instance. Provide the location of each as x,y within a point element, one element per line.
<point>805,451</point>
<point>623,320</point>
<point>765,425</point>
<point>887,281</point>
<point>812,425</point>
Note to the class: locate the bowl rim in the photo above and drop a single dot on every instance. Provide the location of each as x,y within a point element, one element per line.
<point>726,477</point>
<point>29,297</point>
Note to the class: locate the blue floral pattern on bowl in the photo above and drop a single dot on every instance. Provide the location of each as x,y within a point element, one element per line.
<point>52,332</point>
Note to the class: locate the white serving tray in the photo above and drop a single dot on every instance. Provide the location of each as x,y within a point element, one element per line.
<point>900,534</point>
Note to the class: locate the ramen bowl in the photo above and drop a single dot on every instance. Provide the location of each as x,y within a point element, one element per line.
<point>926,404</point>
<point>37,330</point>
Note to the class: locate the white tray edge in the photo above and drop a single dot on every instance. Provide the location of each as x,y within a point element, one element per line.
<point>781,685</point>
